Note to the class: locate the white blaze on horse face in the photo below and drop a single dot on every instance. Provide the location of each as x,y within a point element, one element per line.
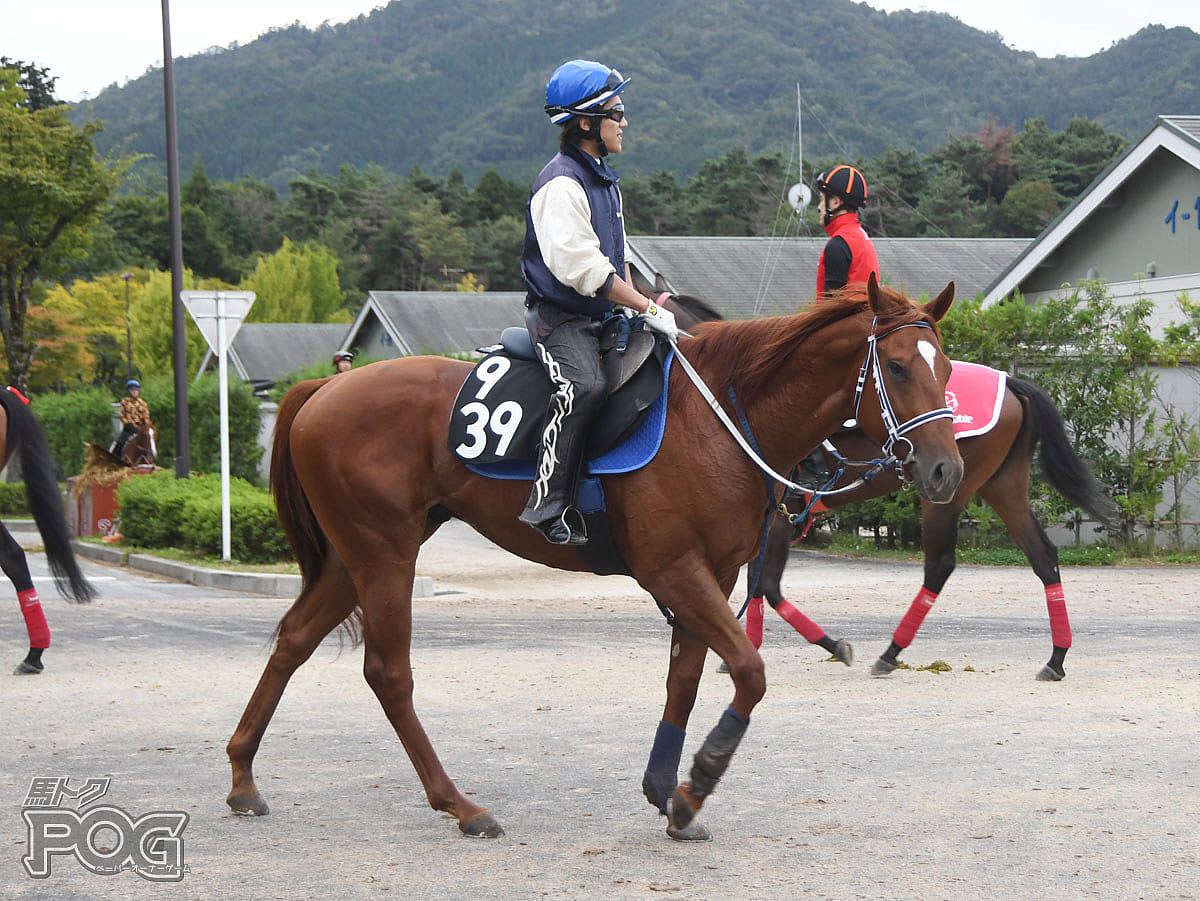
<point>929,353</point>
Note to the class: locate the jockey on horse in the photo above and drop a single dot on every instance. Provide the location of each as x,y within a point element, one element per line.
<point>575,271</point>
<point>135,416</point>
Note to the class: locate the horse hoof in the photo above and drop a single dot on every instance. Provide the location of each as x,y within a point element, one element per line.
<point>248,804</point>
<point>695,831</point>
<point>844,651</point>
<point>883,667</point>
<point>25,668</point>
<point>722,667</point>
<point>1049,674</point>
<point>680,812</point>
<point>482,825</point>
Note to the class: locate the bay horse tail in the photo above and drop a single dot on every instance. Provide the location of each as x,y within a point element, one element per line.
<point>25,437</point>
<point>300,525</point>
<point>1070,476</point>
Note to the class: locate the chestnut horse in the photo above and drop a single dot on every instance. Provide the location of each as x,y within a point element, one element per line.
<point>357,509</point>
<point>996,466</point>
<point>21,433</point>
<point>142,448</point>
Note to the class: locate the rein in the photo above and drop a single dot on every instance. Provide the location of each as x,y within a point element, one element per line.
<point>896,431</point>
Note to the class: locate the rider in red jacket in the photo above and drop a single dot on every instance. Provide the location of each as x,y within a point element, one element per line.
<point>849,256</point>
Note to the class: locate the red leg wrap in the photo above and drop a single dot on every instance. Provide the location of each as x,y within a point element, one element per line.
<point>754,622</point>
<point>806,627</point>
<point>907,630</point>
<point>35,619</point>
<point>1060,624</point>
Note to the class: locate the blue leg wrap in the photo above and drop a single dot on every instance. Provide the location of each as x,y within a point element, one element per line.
<point>662,772</point>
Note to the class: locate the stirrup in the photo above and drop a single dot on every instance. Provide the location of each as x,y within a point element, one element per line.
<point>559,531</point>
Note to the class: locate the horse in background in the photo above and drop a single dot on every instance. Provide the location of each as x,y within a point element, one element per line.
<point>22,434</point>
<point>142,448</point>
<point>356,512</point>
<point>996,466</point>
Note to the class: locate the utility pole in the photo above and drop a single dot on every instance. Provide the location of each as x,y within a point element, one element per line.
<point>178,314</point>
<point>125,277</point>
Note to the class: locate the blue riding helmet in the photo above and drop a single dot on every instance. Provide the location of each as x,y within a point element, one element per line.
<point>579,88</point>
<point>133,383</point>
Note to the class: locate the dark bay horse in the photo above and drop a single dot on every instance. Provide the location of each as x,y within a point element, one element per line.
<point>996,466</point>
<point>20,433</point>
<point>357,509</point>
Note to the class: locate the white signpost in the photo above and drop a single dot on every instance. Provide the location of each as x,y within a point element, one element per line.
<point>219,315</point>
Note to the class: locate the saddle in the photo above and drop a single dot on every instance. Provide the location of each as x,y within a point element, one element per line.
<point>497,419</point>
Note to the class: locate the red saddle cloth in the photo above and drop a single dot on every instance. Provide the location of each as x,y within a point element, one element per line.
<point>975,394</point>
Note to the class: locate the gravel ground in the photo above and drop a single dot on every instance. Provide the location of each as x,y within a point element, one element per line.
<point>542,690</point>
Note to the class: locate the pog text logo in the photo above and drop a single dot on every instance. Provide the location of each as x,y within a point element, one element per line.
<point>104,839</point>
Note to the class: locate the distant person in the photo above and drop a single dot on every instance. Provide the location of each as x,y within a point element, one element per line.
<point>576,275</point>
<point>849,255</point>
<point>135,415</point>
<point>343,361</point>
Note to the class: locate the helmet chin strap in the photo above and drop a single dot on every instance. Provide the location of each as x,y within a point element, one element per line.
<point>830,215</point>
<point>598,139</point>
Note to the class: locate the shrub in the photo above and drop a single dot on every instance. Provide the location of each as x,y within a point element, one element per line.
<point>13,499</point>
<point>73,418</point>
<point>204,424</point>
<point>158,510</point>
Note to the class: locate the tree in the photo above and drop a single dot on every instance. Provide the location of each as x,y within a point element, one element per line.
<point>1029,206</point>
<point>52,188</point>
<point>297,283</point>
<point>36,82</point>
<point>80,334</point>
<point>654,205</point>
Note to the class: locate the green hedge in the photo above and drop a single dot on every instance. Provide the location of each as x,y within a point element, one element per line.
<point>158,510</point>
<point>87,414</point>
<point>71,419</point>
<point>204,424</point>
<point>13,500</point>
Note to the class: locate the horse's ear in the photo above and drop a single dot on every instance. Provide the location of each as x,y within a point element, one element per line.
<point>940,305</point>
<point>873,292</point>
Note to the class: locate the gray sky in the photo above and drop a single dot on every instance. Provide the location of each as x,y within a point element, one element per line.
<point>90,44</point>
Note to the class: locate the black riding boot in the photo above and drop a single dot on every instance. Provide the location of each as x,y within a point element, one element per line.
<point>814,471</point>
<point>549,508</point>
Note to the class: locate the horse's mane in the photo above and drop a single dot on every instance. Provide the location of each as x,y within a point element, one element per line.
<point>748,353</point>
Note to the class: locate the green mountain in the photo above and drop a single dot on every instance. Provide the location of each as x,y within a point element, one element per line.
<point>440,85</point>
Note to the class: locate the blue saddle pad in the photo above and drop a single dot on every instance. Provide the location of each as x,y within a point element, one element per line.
<point>633,453</point>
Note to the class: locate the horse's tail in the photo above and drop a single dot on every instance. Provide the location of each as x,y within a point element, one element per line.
<point>1069,475</point>
<point>300,525</point>
<point>25,436</point>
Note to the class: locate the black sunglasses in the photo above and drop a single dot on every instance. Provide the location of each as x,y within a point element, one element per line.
<point>616,113</point>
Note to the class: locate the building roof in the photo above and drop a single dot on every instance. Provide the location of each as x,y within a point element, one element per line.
<point>424,322</point>
<point>748,277</point>
<point>1177,134</point>
<point>263,353</point>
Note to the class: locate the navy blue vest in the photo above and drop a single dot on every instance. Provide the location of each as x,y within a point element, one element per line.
<point>599,182</point>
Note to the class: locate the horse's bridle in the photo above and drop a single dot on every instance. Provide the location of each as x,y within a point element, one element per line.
<point>896,431</point>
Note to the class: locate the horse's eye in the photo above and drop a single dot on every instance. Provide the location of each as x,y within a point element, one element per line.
<point>897,370</point>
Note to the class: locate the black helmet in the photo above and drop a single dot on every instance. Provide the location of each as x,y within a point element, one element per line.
<point>845,182</point>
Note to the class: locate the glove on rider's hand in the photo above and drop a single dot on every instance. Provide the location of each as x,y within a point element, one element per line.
<point>661,320</point>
